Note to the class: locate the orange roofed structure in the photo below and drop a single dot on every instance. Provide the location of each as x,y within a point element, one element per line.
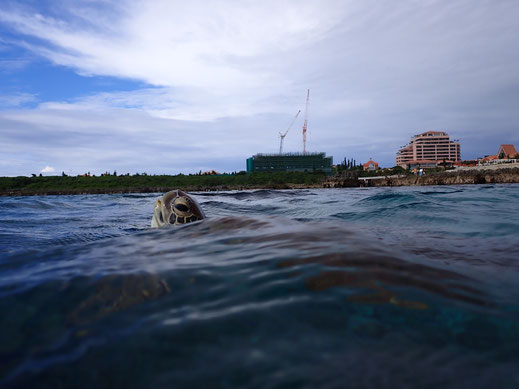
<point>371,165</point>
<point>507,151</point>
<point>504,152</point>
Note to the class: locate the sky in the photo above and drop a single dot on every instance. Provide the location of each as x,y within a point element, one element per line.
<point>168,87</point>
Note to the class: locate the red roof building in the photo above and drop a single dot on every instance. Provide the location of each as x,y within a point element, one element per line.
<point>488,158</point>
<point>507,151</point>
<point>371,165</point>
<point>504,152</point>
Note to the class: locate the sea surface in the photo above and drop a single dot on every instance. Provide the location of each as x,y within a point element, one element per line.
<point>414,287</point>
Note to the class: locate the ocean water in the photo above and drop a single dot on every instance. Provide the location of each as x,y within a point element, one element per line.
<point>331,288</point>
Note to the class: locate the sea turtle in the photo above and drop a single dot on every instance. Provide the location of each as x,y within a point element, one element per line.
<point>119,292</point>
<point>176,207</point>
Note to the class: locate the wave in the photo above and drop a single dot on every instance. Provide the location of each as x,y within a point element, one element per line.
<point>267,289</point>
<point>257,194</point>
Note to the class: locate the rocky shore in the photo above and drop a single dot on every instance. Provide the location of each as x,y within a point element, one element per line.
<point>453,177</point>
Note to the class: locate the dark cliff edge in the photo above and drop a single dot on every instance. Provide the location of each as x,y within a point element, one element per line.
<point>495,176</point>
<point>498,176</point>
<point>345,180</point>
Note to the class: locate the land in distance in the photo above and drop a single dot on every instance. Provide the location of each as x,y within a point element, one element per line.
<point>66,185</point>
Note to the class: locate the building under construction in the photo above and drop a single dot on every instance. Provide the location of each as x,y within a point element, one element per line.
<point>290,162</point>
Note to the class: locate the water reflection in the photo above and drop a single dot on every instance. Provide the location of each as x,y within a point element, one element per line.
<point>378,273</point>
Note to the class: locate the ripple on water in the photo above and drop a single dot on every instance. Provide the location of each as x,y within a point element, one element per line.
<point>416,285</point>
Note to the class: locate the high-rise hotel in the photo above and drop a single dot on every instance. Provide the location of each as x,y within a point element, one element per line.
<point>428,149</point>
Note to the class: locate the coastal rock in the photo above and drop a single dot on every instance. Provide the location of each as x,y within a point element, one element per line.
<point>499,176</point>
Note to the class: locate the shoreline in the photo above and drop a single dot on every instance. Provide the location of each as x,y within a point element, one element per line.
<point>453,177</point>
<point>456,177</point>
<point>68,192</point>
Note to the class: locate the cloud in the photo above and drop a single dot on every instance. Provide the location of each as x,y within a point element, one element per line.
<point>221,79</point>
<point>92,136</point>
<point>16,100</point>
<point>8,66</point>
<point>47,169</point>
<point>77,139</point>
<point>206,60</point>
<point>165,43</point>
<point>222,58</point>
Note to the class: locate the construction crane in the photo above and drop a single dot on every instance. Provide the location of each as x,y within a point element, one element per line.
<point>306,121</point>
<point>282,136</point>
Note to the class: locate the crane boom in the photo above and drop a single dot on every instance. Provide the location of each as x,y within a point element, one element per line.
<point>282,136</point>
<point>305,125</point>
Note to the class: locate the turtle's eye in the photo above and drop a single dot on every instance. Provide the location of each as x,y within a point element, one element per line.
<point>182,207</point>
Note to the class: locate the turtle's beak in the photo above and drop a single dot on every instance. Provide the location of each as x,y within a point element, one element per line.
<point>158,218</point>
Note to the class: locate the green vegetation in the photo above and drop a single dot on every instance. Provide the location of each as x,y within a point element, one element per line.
<point>348,165</point>
<point>149,183</point>
<point>396,170</point>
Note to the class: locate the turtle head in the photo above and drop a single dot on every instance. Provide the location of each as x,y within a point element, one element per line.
<point>176,207</point>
